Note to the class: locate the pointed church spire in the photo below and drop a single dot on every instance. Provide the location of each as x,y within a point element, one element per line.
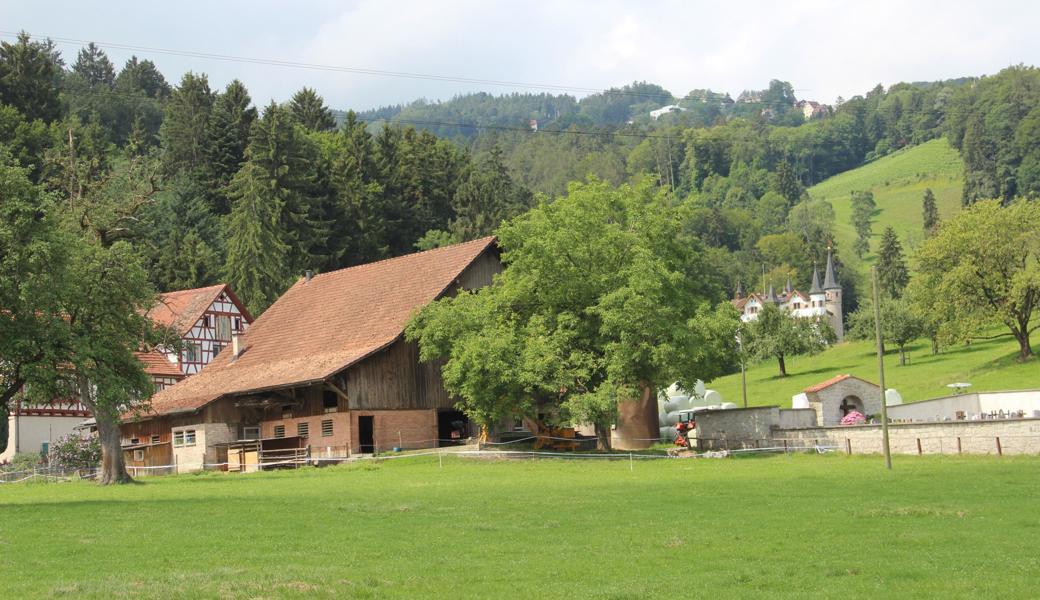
<point>830,282</point>
<point>815,289</point>
<point>771,296</point>
<point>788,288</point>
<point>740,290</point>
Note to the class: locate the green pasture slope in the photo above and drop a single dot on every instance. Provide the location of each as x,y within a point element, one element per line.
<point>898,182</point>
<point>812,526</point>
<point>989,365</point>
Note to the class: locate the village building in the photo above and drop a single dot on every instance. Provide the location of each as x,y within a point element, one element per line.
<point>822,302</point>
<point>834,399</point>
<point>812,109</point>
<point>204,319</point>
<point>324,372</point>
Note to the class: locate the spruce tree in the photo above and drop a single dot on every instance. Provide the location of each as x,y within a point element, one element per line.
<point>257,257</point>
<point>93,65</point>
<point>863,206</point>
<point>309,109</point>
<point>487,197</point>
<point>29,73</point>
<point>892,272</point>
<point>930,212</point>
<point>233,116</point>
<point>185,132</point>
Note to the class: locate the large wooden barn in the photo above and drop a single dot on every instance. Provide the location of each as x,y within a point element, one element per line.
<point>324,372</point>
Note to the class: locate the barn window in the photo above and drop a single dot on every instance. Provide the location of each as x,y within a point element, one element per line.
<point>330,401</point>
<point>138,455</point>
<point>250,433</point>
<point>184,438</point>
<point>217,348</point>
<point>189,437</point>
<point>326,428</point>
<point>287,411</point>
<point>224,328</point>
<point>135,441</point>
<point>155,439</point>
<point>279,431</point>
<point>303,429</point>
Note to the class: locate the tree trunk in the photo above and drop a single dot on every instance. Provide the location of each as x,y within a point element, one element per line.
<point>783,366</point>
<point>1025,350</point>
<point>637,426</point>
<point>113,465</point>
<point>602,437</point>
<point>902,356</point>
<point>935,346</point>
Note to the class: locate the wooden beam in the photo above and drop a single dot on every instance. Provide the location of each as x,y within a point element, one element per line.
<point>333,388</point>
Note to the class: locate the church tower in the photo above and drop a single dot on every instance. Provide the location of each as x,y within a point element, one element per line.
<point>832,294</point>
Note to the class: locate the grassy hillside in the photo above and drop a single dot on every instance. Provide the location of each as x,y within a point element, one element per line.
<point>802,526</point>
<point>898,182</point>
<point>987,365</point>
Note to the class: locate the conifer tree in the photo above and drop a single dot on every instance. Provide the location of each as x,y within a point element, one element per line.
<point>486,198</point>
<point>930,212</point>
<point>862,211</point>
<point>29,73</point>
<point>257,256</point>
<point>233,116</point>
<point>93,65</point>
<point>309,109</point>
<point>185,130</point>
<point>892,273</point>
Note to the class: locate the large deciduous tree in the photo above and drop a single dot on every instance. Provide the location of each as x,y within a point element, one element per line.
<point>603,301</point>
<point>983,268</point>
<point>900,324</point>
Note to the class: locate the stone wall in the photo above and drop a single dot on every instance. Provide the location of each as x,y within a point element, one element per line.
<point>737,427</point>
<point>797,417</point>
<point>1016,436</point>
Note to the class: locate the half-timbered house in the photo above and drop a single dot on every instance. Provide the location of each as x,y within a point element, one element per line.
<point>324,372</point>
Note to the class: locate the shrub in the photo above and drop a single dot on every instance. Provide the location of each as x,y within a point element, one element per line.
<point>76,452</point>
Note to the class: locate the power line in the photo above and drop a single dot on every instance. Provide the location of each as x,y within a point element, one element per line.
<point>335,68</point>
<point>362,70</point>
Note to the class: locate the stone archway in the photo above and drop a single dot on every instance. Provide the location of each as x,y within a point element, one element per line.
<point>851,403</point>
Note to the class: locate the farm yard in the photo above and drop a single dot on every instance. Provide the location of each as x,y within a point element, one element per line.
<point>799,525</point>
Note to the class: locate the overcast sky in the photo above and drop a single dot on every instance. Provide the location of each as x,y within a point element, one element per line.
<point>824,48</point>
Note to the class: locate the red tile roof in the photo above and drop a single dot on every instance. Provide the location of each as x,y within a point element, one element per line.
<point>156,364</point>
<point>320,327</point>
<point>180,310</point>
<point>833,380</point>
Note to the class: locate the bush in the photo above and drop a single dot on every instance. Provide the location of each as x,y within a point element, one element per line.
<point>75,452</point>
<point>26,461</point>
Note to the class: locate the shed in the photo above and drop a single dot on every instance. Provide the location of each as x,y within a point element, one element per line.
<point>840,395</point>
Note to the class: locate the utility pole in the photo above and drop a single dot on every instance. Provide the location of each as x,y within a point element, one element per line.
<point>881,370</point>
<point>743,366</point>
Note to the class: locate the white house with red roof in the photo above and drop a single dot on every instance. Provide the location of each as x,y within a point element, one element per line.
<point>823,302</point>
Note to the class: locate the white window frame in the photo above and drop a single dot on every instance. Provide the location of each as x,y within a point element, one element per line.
<point>254,430</point>
<point>185,438</point>
<point>138,455</point>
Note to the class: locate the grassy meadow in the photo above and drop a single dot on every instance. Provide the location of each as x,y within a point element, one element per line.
<point>898,182</point>
<point>765,527</point>
<point>989,365</point>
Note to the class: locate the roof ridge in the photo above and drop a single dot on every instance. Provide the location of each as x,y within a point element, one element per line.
<point>487,240</point>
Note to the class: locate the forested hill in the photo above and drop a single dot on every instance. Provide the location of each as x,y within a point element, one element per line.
<point>206,187</point>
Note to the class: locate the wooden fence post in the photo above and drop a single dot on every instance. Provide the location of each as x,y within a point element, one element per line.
<point>958,444</point>
<point>919,446</point>
<point>1000,451</point>
<point>848,446</point>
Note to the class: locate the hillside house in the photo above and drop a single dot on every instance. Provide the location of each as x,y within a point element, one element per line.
<point>324,372</point>
<point>823,302</point>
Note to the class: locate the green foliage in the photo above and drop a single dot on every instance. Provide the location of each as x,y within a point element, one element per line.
<point>900,324</point>
<point>487,197</point>
<point>309,110</point>
<point>185,133</point>
<point>592,306</point>
<point>929,212</point>
<point>74,451</point>
<point>891,266</point>
<point>778,334</point>
<point>29,72</point>
<point>863,207</point>
<point>981,268</point>
<point>230,123</point>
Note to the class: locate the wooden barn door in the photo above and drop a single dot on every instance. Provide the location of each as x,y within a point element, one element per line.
<point>366,434</point>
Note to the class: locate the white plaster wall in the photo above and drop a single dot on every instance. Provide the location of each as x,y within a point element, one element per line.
<point>1027,400</point>
<point>935,409</point>
<point>30,432</point>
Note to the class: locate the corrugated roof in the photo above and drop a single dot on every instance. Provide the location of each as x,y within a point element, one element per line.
<point>320,327</point>
<point>155,363</point>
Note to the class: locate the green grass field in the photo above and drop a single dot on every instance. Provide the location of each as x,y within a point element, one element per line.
<point>898,182</point>
<point>988,365</point>
<point>781,526</point>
